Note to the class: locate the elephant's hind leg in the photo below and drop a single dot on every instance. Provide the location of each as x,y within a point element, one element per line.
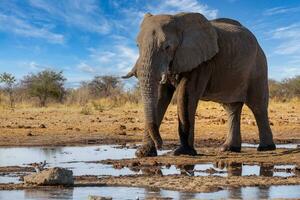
<point>233,141</point>
<point>148,147</point>
<point>266,142</point>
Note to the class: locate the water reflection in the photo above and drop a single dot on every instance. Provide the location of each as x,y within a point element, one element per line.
<point>144,193</point>
<point>219,169</point>
<point>49,193</point>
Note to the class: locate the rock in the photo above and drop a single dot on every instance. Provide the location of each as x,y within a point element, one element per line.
<point>222,121</point>
<point>122,127</point>
<point>122,133</point>
<point>29,133</point>
<point>42,126</point>
<point>92,197</point>
<point>53,176</point>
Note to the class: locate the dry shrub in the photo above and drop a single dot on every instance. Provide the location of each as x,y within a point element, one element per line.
<point>86,110</point>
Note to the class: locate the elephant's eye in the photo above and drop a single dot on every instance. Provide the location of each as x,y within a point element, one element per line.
<point>167,47</point>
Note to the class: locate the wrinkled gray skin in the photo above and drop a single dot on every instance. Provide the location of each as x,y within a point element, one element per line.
<point>218,60</point>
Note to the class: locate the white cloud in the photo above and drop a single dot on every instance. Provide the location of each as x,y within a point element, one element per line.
<point>280,10</point>
<point>289,37</point>
<point>23,28</point>
<point>117,60</point>
<point>84,14</point>
<point>284,71</point>
<point>175,6</point>
<point>86,68</point>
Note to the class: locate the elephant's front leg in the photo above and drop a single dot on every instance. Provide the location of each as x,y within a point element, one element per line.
<point>164,97</point>
<point>187,105</point>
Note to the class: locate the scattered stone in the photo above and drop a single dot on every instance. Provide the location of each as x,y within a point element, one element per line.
<point>42,126</point>
<point>134,164</point>
<point>118,166</point>
<point>136,129</point>
<point>70,128</point>
<point>122,133</point>
<point>122,127</point>
<point>53,176</point>
<point>92,197</point>
<point>29,133</point>
<point>168,165</point>
<point>77,129</point>
<point>154,163</point>
<point>222,121</point>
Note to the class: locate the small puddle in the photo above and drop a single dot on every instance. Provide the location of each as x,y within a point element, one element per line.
<point>279,146</point>
<point>79,193</point>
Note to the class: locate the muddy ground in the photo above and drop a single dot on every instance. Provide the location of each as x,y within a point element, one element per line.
<point>65,126</point>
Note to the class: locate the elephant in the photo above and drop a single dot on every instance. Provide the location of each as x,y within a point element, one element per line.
<point>216,60</point>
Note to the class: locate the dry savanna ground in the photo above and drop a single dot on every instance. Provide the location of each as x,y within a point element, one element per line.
<point>104,124</point>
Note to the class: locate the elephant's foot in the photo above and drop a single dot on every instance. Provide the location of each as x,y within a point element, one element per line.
<point>269,147</point>
<point>146,150</point>
<point>227,147</point>
<point>185,150</point>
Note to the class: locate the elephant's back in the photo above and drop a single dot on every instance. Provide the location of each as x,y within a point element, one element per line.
<point>233,64</point>
<point>227,21</point>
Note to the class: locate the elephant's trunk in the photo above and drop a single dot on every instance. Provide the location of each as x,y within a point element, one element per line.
<point>149,88</point>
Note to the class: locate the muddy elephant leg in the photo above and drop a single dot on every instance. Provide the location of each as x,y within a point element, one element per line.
<point>233,141</point>
<point>266,142</point>
<point>164,97</point>
<point>187,105</point>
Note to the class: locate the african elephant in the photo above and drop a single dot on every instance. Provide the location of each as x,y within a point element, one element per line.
<point>218,60</point>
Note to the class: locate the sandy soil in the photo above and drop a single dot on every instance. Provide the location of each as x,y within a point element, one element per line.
<point>68,126</point>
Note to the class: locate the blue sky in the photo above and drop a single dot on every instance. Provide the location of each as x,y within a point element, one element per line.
<point>85,38</point>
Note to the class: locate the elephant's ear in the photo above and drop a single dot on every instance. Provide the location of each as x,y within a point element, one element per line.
<point>198,42</point>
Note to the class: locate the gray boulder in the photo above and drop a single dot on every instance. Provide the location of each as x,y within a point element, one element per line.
<point>52,176</point>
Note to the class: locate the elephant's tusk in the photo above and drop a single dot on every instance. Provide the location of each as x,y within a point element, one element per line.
<point>163,79</point>
<point>130,74</point>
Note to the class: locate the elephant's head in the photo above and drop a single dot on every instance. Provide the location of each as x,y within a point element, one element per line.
<point>169,44</point>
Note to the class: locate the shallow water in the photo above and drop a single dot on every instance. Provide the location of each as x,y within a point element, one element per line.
<point>279,146</point>
<point>208,169</point>
<point>75,159</point>
<point>142,193</point>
